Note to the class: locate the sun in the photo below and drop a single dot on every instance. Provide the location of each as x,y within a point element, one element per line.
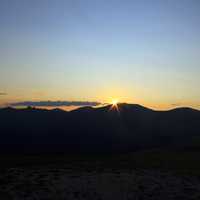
<point>114,102</point>
<point>114,105</point>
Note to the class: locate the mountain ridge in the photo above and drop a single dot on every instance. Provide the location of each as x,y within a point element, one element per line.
<point>102,129</point>
<point>102,107</point>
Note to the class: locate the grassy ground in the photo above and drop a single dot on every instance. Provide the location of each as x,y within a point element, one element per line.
<point>149,175</point>
<point>179,160</point>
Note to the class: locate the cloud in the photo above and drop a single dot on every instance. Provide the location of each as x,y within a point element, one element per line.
<point>3,93</point>
<point>176,104</point>
<point>55,103</point>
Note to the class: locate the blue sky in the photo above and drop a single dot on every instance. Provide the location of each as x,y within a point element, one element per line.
<point>140,51</point>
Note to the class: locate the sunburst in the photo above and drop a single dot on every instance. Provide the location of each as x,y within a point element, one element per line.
<point>114,105</point>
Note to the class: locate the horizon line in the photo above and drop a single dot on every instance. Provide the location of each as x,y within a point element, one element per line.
<point>94,107</point>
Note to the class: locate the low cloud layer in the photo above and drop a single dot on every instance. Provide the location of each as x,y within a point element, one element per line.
<point>3,93</point>
<point>176,104</point>
<point>56,103</point>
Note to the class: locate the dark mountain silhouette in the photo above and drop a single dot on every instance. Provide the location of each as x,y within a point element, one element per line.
<point>92,130</point>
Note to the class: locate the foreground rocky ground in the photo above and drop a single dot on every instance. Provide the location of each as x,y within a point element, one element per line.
<point>65,183</point>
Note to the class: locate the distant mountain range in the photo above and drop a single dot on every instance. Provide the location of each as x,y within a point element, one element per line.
<point>93,130</point>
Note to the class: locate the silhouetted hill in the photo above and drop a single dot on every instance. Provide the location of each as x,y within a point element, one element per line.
<point>101,129</point>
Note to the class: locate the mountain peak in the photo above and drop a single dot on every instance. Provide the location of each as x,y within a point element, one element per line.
<point>126,106</point>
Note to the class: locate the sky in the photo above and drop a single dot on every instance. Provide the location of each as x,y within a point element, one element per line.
<point>137,51</point>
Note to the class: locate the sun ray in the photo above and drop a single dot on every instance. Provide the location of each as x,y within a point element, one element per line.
<point>114,105</point>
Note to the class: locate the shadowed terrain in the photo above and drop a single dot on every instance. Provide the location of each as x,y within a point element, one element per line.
<point>97,130</point>
<point>100,153</point>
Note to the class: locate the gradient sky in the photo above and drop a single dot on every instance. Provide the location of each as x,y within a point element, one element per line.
<point>139,51</point>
